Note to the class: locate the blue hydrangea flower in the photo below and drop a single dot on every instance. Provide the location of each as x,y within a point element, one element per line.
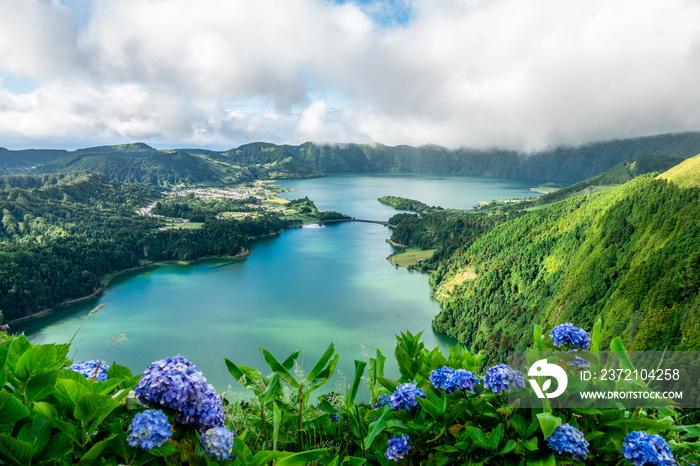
<point>462,379</point>
<point>567,438</point>
<point>218,443</point>
<point>644,449</point>
<point>502,377</point>
<point>405,396</point>
<point>441,378</point>
<point>335,417</point>
<point>149,429</point>
<point>382,401</point>
<point>579,361</point>
<point>567,334</point>
<point>174,383</point>
<point>90,370</point>
<point>398,447</point>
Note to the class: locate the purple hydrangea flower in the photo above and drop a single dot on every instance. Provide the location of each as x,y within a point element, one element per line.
<point>567,438</point>
<point>502,377</point>
<point>405,396</point>
<point>441,378</point>
<point>398,447</point>
<point>218,443</point>
<point>462,379</point>
<point>174,383</point>
<point>382,401</point>
<point>90,370</point>
<point>644,449</point>
<point>149,429</point>
<point>567,334</point>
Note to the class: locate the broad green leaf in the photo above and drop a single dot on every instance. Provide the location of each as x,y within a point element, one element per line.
<point>272,391</point>
<point>94,406</point>
<point>266,456</point>
<point>41,385</point>
<point>36,433</point>
<point>595,335</point>
<point>4,352</point>
<point>166,449</point>
<point>276,419</point>
<point>549,461</point>
<point>48,411</point>
<point>116,371</point>
<point>376,427</point>
<point>17,347</point>
<point>95,452</point>
<point>531,444</point>
<point>359,371</point>
<point>11,409</point>
<point>509,446</point>
<point>388,384</point>
<point>303,458</point>
<point>354,461</point>
<point>291,359</point>
<point>234,370</point>
<point>324,375</point>
<point>58,446</point>
<point>106,386</point>
<point>37,359</point>
<point>496,436</point>
<point>538,338</point>
<point>15,451</point>
<point>619,349</point>
<point>548,423</point>
<point>72,390</point>
<point>279,368</point>
<point>321,363</point>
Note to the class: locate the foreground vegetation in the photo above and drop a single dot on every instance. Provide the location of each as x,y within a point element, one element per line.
<point>442,410</point>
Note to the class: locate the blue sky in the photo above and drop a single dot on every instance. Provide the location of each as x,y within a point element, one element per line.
<point>458,73</point>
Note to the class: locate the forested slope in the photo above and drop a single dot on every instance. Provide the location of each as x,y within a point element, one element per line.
<point>628,255</point>
<point>140,163</point>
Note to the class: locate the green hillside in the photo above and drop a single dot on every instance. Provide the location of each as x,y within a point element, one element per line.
<point>141,163</point>
<point>628,255</point>
<point>686,174</point>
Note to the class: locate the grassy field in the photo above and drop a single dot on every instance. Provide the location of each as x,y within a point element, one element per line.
<point>409,258</point>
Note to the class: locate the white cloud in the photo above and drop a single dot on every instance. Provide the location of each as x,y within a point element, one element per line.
<point>484,73</point>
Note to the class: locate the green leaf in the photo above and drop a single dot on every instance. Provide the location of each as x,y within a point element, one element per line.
<point>376,427</point>
<point>276,419</point>
<point>538,338</point>
<point>116,371</point>
<point>38,358</point>
<point>36,433</point>
<point>359,371</point>
<point>266,456</point>
<point>291,359</point>
<point>11,409</point>
<point>272,391</point>
<point>58,446</point>
<point>388,384</point>
<point>48,411</point>
<point>234,370</point>
<point>71,391</point>
<point>166,449</point>
<point>41,385</point>
<point>354,460</point>
<point>549,461</point>
<point>531,444</point>
<point>321,363</point>
<point>95,452</point>
<point>324,375</point>
<point>94,406</point>
<point>279,368</point>
<point>303,458</point>
<point>548,423</point>
<point>595,335</point>
<point>496,436</point>
<point>4,352</point>
<point>15,451</point>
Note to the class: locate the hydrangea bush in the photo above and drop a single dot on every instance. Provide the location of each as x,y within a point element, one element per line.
<point>442,409</point>
<point>91,369</point>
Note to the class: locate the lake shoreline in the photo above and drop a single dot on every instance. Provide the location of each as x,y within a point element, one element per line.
<point>105,282</point>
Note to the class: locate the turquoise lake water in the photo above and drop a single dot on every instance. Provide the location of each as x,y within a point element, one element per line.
<point>301,290</point>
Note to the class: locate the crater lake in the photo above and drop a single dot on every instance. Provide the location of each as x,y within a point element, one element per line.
<point>300,290</point>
